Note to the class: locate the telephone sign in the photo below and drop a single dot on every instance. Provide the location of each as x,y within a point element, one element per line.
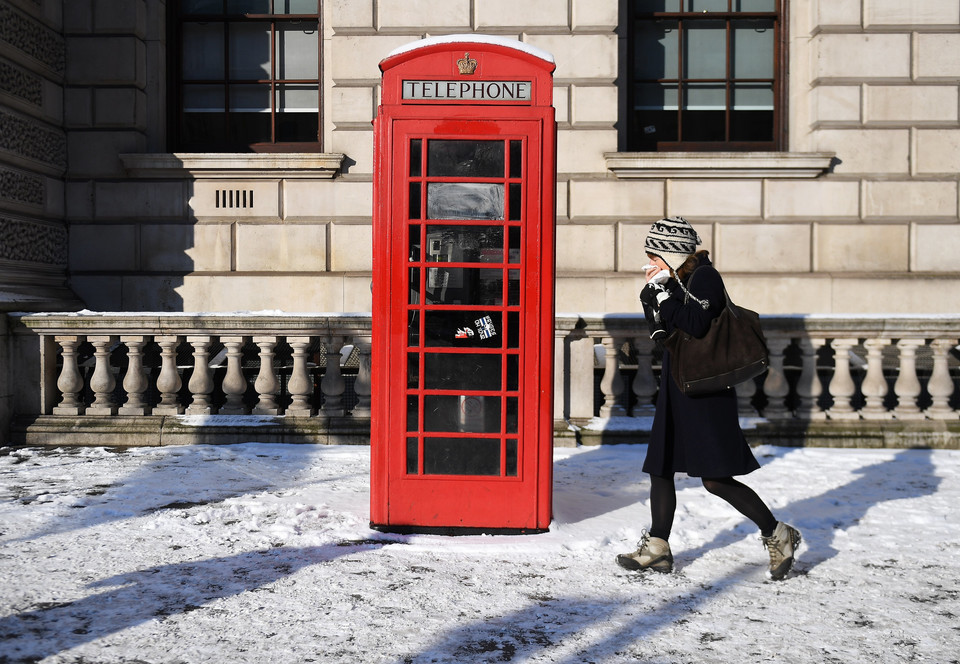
<point>463,293</point>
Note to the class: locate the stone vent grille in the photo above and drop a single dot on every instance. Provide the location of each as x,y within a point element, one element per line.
<point>234,198</point>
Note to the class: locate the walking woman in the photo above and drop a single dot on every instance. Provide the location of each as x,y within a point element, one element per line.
<point>701,435</point>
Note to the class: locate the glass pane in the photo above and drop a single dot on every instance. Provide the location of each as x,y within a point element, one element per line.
<point>200,131</point>
<point>413,413</point>
<point>202,51</point>
<point>413,457</point>
<point>482,159</point>
<point>656,96</point>
<point>248,6</point>
<point>516,201</point>
<point>704,126</point>
<point>516,159</point>
<point>413,370</point>
<point>513,329</point>
<point>250,51</point>
<point>465,244</point>
<point>414,206</point>
<point>295,7</point>
<point>461,413</point>
<point>414,285</point>
<point>752,97</point>
<point>297,98</point>
<point>513,414</point>
<point>247,128</point>
<point>463,329</point>
<point>705,51</point>
<point>513,373</point>
<point>752,49</point>
<point>416,148</point>
<point>203,98</point>
<point>461,371</point>
<point>298,127</point>
<point>413,328</point>
<point>414,243</point>
<point>464,200</point>
<point>461,456</point>
<point>754,5</point>
<point>515,244</point>
<point>297,50</point>
<point>700,6</point>
<point>656,49</point>
<point>250,98</point>
<point>704,97</point>
<point>513,288</point>
<point>511,458</point>
<point>201,6</point>
<point>751,125</point>
<point>658,5</point>
<point>464,285</point>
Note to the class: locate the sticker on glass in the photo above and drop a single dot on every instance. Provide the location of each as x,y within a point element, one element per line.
<point>485,327</point>
<point>463,333</point>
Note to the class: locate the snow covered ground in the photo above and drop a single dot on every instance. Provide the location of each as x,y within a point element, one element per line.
<point>262,553</point>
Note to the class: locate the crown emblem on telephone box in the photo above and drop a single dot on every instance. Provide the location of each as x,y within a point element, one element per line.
<point>466,64</point>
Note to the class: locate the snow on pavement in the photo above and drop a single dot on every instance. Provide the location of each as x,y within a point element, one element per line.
<point>262,553</point>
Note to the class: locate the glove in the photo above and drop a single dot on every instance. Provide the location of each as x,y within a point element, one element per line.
<point>653,294</point>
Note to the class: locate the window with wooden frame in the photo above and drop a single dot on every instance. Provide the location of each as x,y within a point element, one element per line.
<point>246,75</point>
<point>706,75</point>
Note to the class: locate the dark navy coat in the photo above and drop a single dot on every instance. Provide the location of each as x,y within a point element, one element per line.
<point>700,435</point>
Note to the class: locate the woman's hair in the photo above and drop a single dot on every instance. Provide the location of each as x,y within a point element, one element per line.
<point>691,264</point>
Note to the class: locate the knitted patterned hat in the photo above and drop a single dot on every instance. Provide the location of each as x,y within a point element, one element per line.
<point>672,239</point>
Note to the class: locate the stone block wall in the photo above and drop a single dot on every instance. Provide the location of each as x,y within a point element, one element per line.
<point>874,84</point>
<point>33,236</point>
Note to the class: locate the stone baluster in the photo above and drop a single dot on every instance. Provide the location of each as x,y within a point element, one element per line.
<point>234,384</point>
<point>809,387</point>
<point>644,382</point>
<point>775,384</point>
<point>201,381</point>
<point>362,385</point>
<point>611,385</point>
<point>168,381</point>
<point>745,392</point>
<point>332,384</point>
<point>907,388</point>
<point>874,385</point>
<point>842,387</point>
<point>134,382</point>
<point>102,382</point>
<point>300,384</point>
<point>70,382</point>
<point>267,385</point>
<point>940,386</point>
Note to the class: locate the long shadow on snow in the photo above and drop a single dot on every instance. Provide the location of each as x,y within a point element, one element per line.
<point>186,477</point>
<point>561,622</point>
<point>150,593</point>
<point>909,474</point>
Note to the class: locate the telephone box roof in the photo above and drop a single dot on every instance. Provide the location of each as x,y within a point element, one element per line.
<point>474,38</point>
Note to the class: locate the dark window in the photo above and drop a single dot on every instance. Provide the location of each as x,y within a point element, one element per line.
<point>705,75</point>
<point>246,75</point>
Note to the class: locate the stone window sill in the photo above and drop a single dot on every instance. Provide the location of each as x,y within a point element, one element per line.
<point>234,166</point>
<point>675,165</point>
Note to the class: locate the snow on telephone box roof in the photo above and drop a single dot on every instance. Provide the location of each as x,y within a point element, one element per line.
<point>474,39</point>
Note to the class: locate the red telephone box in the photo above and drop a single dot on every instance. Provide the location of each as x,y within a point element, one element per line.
<point>463,291</point>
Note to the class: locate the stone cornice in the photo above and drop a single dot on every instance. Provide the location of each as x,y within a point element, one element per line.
<point>235,166</point>
<point>711,165</point>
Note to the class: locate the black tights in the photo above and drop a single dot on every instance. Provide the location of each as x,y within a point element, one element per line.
<point>663,503</point>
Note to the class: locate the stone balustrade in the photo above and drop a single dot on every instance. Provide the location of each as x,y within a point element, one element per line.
<point>102,378</point>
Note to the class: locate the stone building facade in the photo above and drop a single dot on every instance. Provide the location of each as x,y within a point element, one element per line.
<point>854,208</point>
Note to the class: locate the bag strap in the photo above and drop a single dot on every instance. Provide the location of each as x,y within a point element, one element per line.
<point>690,296</point>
